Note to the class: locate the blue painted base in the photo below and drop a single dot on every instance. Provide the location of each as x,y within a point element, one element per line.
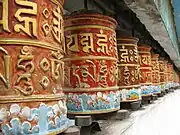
<point>156,89</point>
<point>130,95</point>
<point>146,90</point>
<point>93,103</point>
<point>34,121</point>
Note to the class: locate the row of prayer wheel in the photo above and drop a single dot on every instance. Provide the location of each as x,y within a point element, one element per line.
<point>44,59</point>
<point>104,68</point>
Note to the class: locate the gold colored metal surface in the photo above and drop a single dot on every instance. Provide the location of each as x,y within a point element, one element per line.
<point>5,77</point>
<point>87,42</point>
<point>44,65</point>
<point>145,68</point>
<point>36,43</point>
<point>56,2</point>
<point>4,21</point>
<point>26,12</point>
<point>33,98</point>
<point>131,86</point>
<point>57,69</point>
<point>72,42</point>
<point>145,60</point>
<point>90,89</point>
<point>145,83</point>
<point>95,26</point>
<point>102,43</point>
<point>85,18</point>
<point>26,65</point>
<point>44,82</point>
<point>90,58</point>
<point>57,29</point>
<point>129,65</point>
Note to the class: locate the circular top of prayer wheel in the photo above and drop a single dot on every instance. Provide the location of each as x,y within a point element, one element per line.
<point>89,17</point>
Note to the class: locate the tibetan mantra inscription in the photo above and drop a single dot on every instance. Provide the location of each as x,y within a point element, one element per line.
<point>91,64</point>
<point>128,69</point>
<point>145,69</point>
<point>155,73</point>
<point>31,69</point>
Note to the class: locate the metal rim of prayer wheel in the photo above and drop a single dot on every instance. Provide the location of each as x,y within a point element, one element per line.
<point>155,73</point>
<point>91,64</point>
<point>31,67</point>
<point>145,69</point>
<point>128,69</point>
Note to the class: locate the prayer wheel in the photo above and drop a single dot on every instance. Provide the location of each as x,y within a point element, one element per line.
<point>145,69</point>
<point>162,73</point>
<point>170,74</point>
<point>91,71</point>
<point>166,74</point>
<point>128,69</point>
<point>177,79</point>
<point>155,73</point>
<point>31,67</point>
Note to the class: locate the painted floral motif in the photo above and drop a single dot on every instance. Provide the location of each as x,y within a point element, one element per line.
<point>162,88</point>
<point>133,94</point>
<point>156,89</point>
<point>96,102</point>
<point>172,84</point>
<point>146,90</point>
<point>45,119</point>
<point>167,86</point>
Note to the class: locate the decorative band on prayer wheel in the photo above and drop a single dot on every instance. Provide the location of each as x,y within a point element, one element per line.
<point>128,69</point>
<point>91,71</point>
<point>155,73</point>
<point>145,69</point>
<point>31,67</point>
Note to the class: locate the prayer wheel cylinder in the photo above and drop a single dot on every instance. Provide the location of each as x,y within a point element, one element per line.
<point>162,73</point>
<point>145,69</point>
<point>91,71</point>
<point>128,69</point>
<point>165,74</point>
<point>170,74</point>
<point>155,73</point>
<point>31,67</point>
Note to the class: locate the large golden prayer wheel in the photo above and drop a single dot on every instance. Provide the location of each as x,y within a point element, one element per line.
<point>145,70</point>
<point>91,71</point>
<point>31,69</point>
<point>155,73</point>
<point>162,70</point>
<point>128,69</point>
